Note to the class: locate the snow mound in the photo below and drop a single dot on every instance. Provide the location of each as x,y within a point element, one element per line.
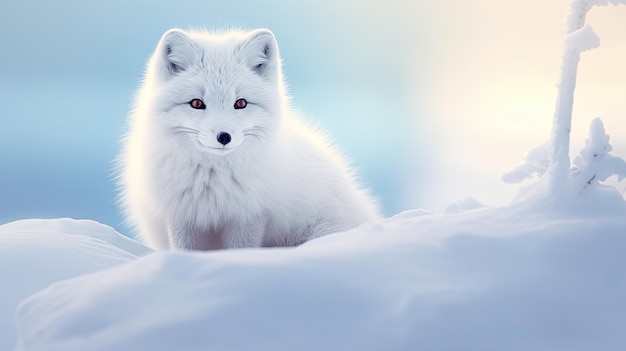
<point>36,253</point>
<point>465,204</point>
<point>487,279</point>
<point>77,227</point>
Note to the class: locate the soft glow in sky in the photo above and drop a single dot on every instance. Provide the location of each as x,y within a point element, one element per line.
<point>494,89</point>
<point>433,100</point>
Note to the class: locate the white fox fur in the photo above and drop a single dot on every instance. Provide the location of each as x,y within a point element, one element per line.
<point>276,182</point>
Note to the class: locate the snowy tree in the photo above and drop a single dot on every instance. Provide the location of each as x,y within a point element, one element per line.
<point>551,161</point>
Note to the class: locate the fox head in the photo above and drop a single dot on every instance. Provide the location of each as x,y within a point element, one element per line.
<point>215,92</point>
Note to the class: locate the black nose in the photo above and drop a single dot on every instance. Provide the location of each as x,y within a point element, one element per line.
<point>223,138</point>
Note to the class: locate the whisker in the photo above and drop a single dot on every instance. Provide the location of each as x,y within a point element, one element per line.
<point>184,130</point>
<point>256,132</point>
<point>256,129</point>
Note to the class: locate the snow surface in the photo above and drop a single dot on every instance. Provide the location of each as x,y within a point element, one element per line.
<point>36,253</point>
<point>523,277</point>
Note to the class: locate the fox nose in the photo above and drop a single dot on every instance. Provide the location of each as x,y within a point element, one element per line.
<point>223,138</point>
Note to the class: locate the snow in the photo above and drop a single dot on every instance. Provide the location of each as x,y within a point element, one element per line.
<point>535,163</point>
<point>36,253</point>
<point>553,157</point>
<point>467,203</point>
<point>510,278</point>
<point>579,37</point>
<point>595,163</point>
<point>582,39</point>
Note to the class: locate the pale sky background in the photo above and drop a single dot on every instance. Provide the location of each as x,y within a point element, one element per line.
<point>433,100</point>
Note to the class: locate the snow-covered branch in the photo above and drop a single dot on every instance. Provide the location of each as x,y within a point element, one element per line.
<point>535,163</point>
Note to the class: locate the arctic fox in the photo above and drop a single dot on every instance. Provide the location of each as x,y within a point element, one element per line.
<point>215,157</point>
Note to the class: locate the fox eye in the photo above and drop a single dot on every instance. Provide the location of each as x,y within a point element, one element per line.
<point>197,104</point>
<point>240,103</point>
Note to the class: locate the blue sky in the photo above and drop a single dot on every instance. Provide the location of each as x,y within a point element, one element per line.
<point>432,100</point>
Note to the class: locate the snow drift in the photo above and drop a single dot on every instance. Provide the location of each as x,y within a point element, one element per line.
<point>37,253</point>
<point>487,279</point>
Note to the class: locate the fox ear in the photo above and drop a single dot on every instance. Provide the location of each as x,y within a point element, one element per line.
<point>260,53</point>
<point>177,52</point>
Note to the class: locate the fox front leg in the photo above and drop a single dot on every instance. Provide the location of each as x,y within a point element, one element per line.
<point>246,234</point>
<point>235,235</point>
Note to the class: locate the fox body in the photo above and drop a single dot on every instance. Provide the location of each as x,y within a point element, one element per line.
<point>216,158</point>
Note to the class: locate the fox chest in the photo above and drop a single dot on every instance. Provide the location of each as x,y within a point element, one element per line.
<point>212,192</point>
